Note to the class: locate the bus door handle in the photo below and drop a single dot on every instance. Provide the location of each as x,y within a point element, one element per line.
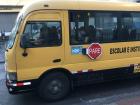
<point>56,60</point>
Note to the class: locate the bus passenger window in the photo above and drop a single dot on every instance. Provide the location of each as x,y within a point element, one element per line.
<point>82,28</point>
<point>91,32</point>
<point>88,27</point>
<point>135,31</point>
<point>43,34</point>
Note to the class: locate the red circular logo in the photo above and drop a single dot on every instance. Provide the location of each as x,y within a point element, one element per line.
<point>94,50</point>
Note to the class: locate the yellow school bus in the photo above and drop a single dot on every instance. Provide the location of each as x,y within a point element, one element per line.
<point>56,45</point>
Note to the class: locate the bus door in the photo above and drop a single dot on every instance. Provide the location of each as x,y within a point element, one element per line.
<point>41,36</point>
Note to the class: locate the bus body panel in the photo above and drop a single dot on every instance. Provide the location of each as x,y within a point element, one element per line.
<point>42,57</point>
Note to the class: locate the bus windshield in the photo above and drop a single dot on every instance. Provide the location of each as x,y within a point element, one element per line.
<point>13,34</point>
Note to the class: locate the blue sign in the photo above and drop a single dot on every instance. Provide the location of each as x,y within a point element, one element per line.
<point>76,50</point>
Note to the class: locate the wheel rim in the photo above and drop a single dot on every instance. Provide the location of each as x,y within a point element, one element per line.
<point>55,87</point>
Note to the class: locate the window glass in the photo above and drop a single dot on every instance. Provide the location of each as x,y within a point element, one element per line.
<point>14,32</point>
<point>135,30</point>
<point>125,27</point>
<point>43,34</point>
<point>89,27</point>
<point>103,27</point>
<point>105,24</point>
<point>82,27</point>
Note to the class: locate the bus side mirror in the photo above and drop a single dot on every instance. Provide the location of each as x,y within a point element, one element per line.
<point>24,44</point>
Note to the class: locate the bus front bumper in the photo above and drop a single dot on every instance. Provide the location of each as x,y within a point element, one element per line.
<point>20,87</point>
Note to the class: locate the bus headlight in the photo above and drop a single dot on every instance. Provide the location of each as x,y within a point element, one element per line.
<point>11,76</point>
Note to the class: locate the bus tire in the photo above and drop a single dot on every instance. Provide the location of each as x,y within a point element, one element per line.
<point>55,86</point>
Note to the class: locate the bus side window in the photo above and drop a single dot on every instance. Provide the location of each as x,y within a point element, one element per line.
<point>54,36</point>
<point>82,30</point>
<point>133,34</point>
<point>91,32</point>
<point>135,31</point>
<point>81,35</point>
<point>45,34</point>
<point>123,33</point>
<point>88,27</point>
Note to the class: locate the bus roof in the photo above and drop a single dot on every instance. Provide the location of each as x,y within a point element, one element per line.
<point>79,5</point>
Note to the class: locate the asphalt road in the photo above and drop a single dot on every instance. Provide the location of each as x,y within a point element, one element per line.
<point>126,92</point>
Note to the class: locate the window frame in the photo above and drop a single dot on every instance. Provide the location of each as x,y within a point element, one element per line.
<point>44,21</point>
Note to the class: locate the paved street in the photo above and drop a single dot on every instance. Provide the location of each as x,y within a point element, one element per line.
<point>125,92</point>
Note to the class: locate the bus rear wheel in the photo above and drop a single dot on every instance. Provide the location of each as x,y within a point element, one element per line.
<point>54,86</point>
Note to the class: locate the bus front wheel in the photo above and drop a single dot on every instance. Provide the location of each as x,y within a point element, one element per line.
<point>54,86</point>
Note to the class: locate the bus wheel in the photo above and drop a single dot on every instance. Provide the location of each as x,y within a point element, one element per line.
<point>54,86</point>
